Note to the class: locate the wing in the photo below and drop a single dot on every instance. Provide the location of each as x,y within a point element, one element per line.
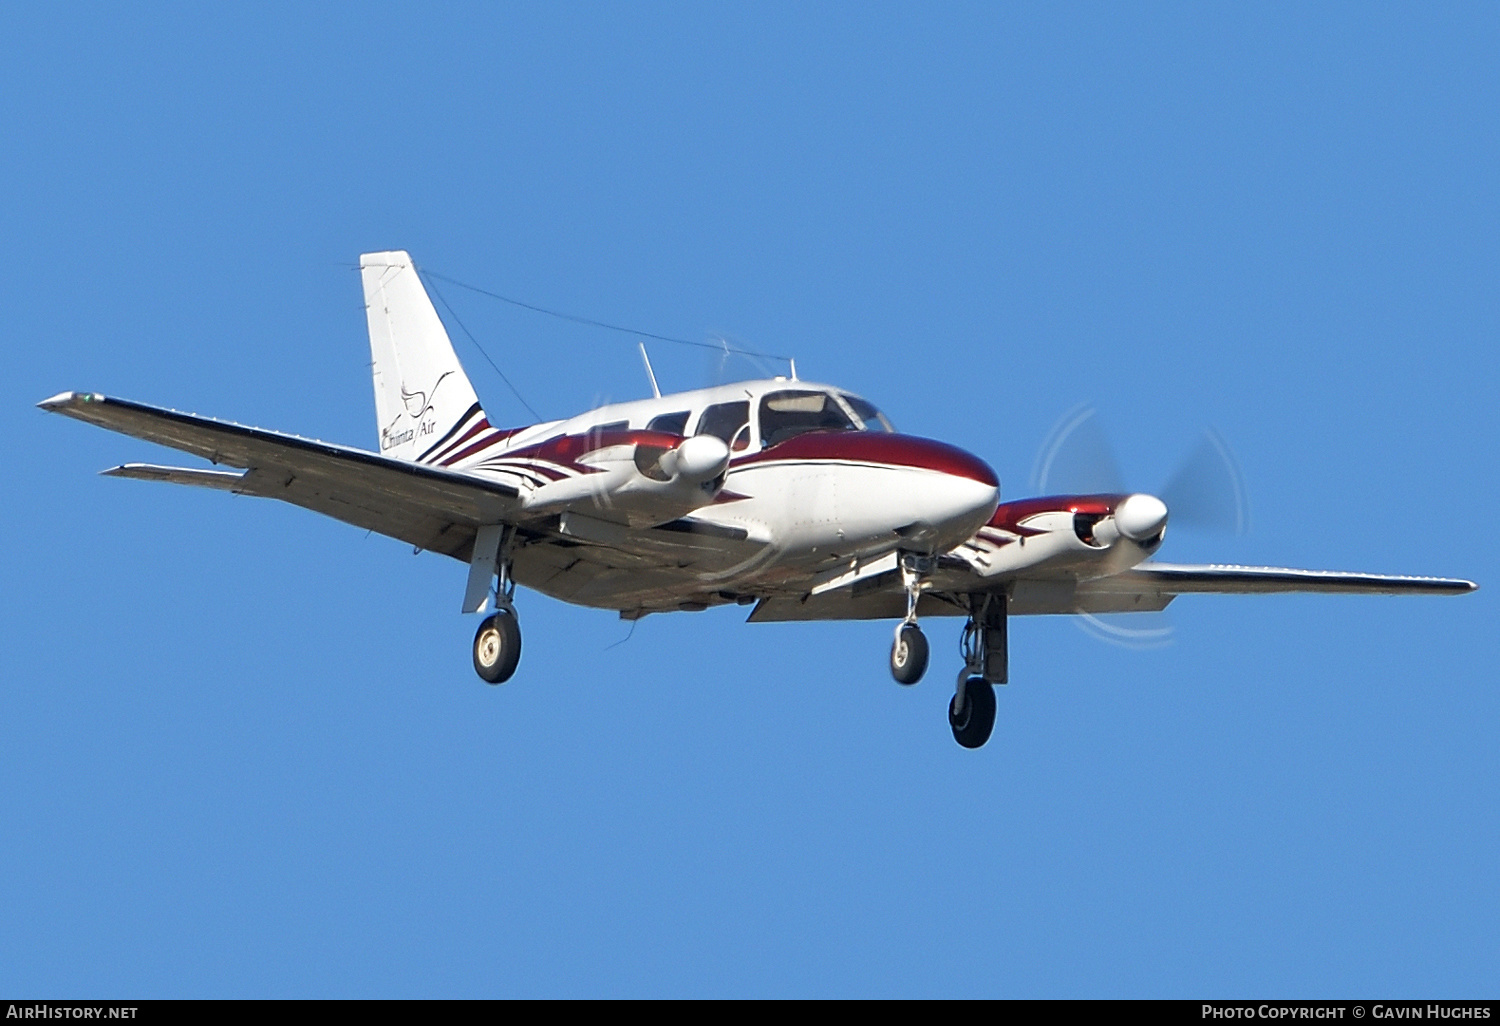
<point>428,507</point>
<point>1171,579</point>
<point>1146,588</point>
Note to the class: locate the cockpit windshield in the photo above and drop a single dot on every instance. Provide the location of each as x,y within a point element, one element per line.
<point>873,418</point>
<point>793,412</point>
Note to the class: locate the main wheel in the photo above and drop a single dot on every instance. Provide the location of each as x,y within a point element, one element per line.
<point>972,725</point>
<point>909,654</point>
<point>497,647</point>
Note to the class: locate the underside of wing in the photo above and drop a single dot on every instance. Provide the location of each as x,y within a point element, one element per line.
<point>1179,579</point>
<point>428,507</point>
<point>688,563</point>
<point>1147,588</point>
<point>1151,586</point>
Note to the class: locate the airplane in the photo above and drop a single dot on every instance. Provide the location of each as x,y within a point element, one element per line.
<point>799,498</point>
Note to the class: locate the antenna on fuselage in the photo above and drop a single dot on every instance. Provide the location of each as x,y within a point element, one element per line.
<point>793,365</point>
<point>651,373</point>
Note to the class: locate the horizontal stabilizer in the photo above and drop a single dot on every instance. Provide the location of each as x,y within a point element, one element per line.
<point>224,480</point>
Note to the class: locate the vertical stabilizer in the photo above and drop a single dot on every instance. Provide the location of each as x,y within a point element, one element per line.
<point>424,403</point>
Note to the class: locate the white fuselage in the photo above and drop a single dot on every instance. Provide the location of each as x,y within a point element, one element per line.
<point>816,479</point>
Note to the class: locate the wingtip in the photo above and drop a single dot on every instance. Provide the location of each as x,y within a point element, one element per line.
<point>63,400</point>
<point>57,401</point>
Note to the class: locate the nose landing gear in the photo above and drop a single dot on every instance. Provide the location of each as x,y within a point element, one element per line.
<point>909,649</point>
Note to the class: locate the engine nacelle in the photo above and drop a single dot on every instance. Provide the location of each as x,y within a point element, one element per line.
<point>1139,518</point>
<point>639,481</point>
<point>699,460</point>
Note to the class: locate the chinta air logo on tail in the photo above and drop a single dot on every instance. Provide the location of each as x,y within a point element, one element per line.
<point>417,405</point>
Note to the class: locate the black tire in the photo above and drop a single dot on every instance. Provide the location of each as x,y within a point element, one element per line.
<point>972,727</point>
<point>497,647</point>
<point>909,655</point>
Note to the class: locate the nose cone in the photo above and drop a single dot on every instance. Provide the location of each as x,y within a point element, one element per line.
<point>1140,517</point>
<point>951,504</point>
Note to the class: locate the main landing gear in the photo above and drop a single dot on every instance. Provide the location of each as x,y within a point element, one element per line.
<point>971,711</point>
<point>497,646</point>
<point>985,648</point>
<point>497,643</point>
<point>986,663</point>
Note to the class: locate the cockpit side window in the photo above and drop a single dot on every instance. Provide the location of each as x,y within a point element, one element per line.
<point>726,421</point>
<point>873,418</point>
<point>669,423</point>
<point>790,413</point>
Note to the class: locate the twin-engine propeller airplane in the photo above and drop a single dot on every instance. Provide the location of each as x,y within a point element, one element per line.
<point>797,497</point>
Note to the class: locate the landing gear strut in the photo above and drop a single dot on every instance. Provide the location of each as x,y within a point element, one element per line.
<point>985,647</point>
<point>909,649</point>
<point>497,643</point>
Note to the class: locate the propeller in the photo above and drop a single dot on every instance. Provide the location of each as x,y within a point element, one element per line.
<point>1206,492</point>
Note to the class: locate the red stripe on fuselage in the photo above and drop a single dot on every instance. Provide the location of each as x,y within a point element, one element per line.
<point>569,448</point>
<point>483,425</point>
<point>479,446</point>
<point>878,448</point>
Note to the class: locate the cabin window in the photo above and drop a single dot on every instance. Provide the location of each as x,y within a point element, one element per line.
<point>873,418</point>
<point>669,423</point>
<point>790,413</point>
<point>729,421</point>
<point>598,431</point>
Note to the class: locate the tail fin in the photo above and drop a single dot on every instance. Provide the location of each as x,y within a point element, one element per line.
<point>424,404</point>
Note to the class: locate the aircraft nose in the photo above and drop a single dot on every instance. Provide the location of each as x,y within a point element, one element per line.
<point>962,499</point>
<point>977,493</point>
<point>954,461</point>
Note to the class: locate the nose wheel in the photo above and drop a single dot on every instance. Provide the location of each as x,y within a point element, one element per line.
<point>909,654</point>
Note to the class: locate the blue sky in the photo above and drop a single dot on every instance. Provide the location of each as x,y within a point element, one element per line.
<point>245,753</point>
